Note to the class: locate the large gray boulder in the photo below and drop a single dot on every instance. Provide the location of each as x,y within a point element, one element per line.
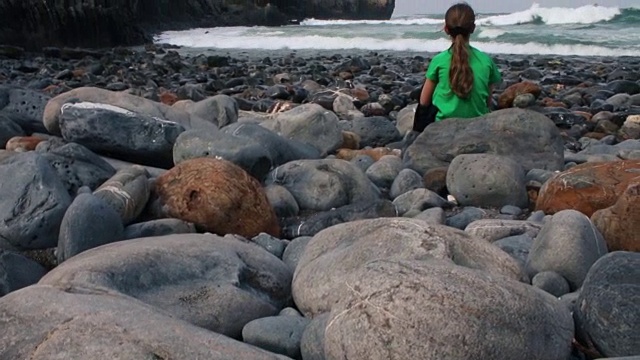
<point>118,132</point>
<point>44,322</point>
<point>417,309</point>
<point>334,256</point>
<point>528,137</point>
<point>218,283</point>
<point>607,311</point>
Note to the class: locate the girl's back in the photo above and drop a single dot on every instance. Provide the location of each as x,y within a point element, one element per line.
<point>475,104</point>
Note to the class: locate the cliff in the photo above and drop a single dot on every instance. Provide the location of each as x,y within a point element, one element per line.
<point>34,24</point>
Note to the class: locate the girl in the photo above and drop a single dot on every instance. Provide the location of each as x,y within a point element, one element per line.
<point>459,80</point>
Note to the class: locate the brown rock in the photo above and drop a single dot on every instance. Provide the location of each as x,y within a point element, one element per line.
<point>168,98</point>
<point>23,143</point>
<point>360,94</point>
<point>526,87</point>
<point>345,75</point>
<point>217,196</point>
<point>549,102</point>
<point>350,140</point>
<point>436,179</point>
<point>620,223</point>
<point>584,114</point>
<point>375,153</point>
<point>78,73</point>
<point>588,187</point>
<point>595,135</point>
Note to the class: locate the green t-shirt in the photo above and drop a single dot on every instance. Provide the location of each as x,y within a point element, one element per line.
<point>485,73</point>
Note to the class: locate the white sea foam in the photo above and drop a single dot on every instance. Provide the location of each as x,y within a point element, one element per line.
<point>197,38</point>
<point>400,21</point>
<point>491,33</point>
<point>588,14</point>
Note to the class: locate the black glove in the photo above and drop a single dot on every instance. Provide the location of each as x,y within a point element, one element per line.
<point>425,115</point>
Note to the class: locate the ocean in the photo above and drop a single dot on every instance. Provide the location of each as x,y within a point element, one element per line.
<point>584,31</point>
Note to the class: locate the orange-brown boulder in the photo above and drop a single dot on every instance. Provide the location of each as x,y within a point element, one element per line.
<point>375,153</point>
<point>620,223</point>
<point>23,143</point>
<point>588,187</point>
<point>217,196</point>
<point>350,140</point>
<point>526,87</point>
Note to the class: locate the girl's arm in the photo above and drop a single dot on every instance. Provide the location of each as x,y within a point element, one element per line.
<point>427,92</point>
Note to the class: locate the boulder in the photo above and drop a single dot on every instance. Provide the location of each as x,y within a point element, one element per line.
<point>587,187</point>
<point>336,254</point>
<point>130,103</point>
<point>310,124</point>
<point>324,184</point>
<point>619,223</point>
<point>528,137</point>
<point>218,283</point>
<point>88,223</point>
<point>44,322</point>
<point>568,244</point>
<point>373,131</point>
<point>607,313</point>
<point>487,180</point>
<point>120,133</point>
<point>34,200</point>
<point>127,192</point>
<point>217,196</point>
<point>432,309</point>
<point>77,166</point>
<point>252,147</point>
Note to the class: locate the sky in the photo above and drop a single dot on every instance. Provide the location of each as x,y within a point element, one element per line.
<point>409,7</point>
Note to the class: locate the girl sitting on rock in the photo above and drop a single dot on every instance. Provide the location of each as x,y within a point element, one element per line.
<point>459,80</point>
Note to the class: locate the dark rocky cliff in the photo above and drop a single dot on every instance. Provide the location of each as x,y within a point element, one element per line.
<point>33,24</point>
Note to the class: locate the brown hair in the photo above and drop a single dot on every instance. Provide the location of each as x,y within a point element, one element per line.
<point>460,23</point>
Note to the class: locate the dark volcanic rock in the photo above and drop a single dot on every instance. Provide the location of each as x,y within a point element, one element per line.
<point>37,23</point>
<point>34,201</point>
<point>120,133</point>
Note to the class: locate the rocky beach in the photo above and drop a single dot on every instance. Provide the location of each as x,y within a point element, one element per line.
<point>160,202</point>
